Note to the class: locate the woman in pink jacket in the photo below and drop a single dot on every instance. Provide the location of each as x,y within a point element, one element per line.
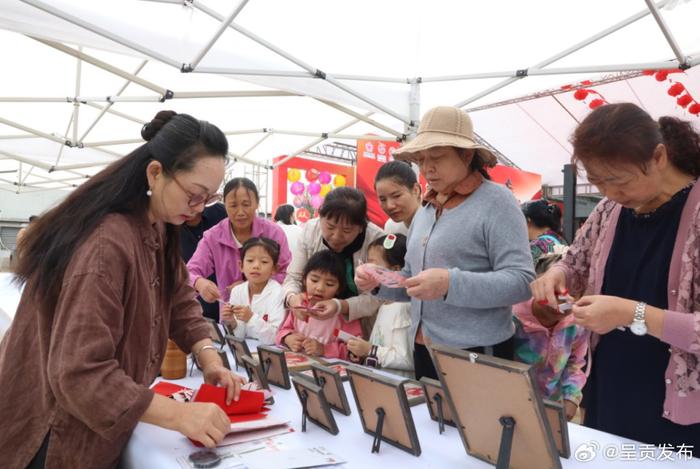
<point>218,251</point>
<point>637,264</point>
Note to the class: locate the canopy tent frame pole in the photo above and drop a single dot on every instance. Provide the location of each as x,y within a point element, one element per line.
<point>104,65</point>
<point>245,131</point>
<point>666,30</point>
<point>76,104</point>
<point>357,115</point>
<point>222,27</point>
<point>47,167</point>
<point>319,140</point>
<point>315,72</point>
<point>18,137</point>
<point>256,144</point>
<point>231,94</point>
<point>41,5</point>
<point>326,135</point>
<point>106,143</point>
<point>117,113</point>
<point>565,53</point>
<point>106,108</point>
<point>65,135</point>
<point>36,132</point>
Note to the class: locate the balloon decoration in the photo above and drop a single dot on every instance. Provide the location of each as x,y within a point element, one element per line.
<point>309,197</point>
<point>297,188</point>
<point>316,201</point>
<point>314,188</point>
<point>311,174</point>
<point>339,181</point>
<point>677,89</point>
<point>293,175</point>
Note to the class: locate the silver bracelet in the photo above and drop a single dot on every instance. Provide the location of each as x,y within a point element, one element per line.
<point>338,305</point>
<point>209,347</point>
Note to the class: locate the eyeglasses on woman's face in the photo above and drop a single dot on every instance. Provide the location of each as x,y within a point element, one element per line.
<point>197,199</point>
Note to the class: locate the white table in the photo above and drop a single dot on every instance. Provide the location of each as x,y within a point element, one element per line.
<point>154,447</point>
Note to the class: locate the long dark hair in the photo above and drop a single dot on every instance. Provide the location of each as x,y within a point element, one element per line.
<point>174,140</point>
<point>543,214</point>
<point>625,133</point>
<point>284,214</point>
<point>345,203</point>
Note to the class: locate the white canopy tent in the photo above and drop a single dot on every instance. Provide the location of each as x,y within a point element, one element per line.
<point>280,77</point>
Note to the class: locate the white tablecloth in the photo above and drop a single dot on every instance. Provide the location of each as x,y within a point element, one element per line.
<point>154,447</point>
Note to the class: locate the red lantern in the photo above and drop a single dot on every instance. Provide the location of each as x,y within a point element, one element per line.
<point>648,72</point>
<point>661,75</point>
<point>587,82</point>
<point>684,100</point>
<point>596,103</point>
<point>580,95</point>
<point>566,87</point>
<point>694,109</point>
<point>676,89</point>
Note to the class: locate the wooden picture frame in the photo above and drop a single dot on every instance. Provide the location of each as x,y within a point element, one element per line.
<point>438,407</point>
<point>384,411</point>
<point>332,384</point>
<point>314,405</point>
<point>215,333</point>
<point>556,414</point>
<point>274,365</point>
<point>239,349</point>
<point>498,408</point>
<point>338,365</point>
<point>255,372</point>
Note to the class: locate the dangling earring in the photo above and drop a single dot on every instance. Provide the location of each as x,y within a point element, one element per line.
<point>149,192</point>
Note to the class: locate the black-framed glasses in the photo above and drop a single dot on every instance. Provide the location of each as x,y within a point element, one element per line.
<point>196,199</point>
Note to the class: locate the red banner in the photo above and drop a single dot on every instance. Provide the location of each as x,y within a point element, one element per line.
<point>524,185</point>
<point>371,154</point>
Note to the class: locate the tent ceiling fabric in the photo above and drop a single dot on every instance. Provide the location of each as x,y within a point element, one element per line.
<point>387,60</point>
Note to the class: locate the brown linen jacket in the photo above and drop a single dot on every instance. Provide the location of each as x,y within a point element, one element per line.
<point>82,373</point>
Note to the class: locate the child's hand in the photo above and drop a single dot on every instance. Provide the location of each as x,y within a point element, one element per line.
<point>227,315</point>
<point>294,341</point>
<point>313,347</point>
<point>242,313</point>
<point>570,409</point>
<point>359,347</point>
<point>327,309</point>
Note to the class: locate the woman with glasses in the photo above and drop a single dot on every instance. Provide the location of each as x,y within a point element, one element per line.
<point>467,256</point>
<point>104,289</point>
<point>219,250</point>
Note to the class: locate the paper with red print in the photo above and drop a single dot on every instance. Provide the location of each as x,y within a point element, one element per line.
<point>387,277</point>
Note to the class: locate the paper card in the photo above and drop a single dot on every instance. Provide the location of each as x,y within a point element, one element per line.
<point>255,435</point>
<point>291,458</point>
<point>387,277</point>
<point>342,335</point>
<point>414,393</point>
<point>257,424</point>
<point>250,402</point>
<point>167,389</point>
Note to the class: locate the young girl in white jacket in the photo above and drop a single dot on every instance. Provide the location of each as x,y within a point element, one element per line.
<point>389,344</point>
<point>255,308</point>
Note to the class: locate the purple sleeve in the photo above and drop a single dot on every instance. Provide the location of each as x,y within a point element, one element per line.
<point>201,264</point>
<point>682,330</point>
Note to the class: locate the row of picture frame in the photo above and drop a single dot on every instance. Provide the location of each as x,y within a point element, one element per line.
<point>516,427</point>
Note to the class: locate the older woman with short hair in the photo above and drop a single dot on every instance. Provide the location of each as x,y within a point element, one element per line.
<point>636,261</point>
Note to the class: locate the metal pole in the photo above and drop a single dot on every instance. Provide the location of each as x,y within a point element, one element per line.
<point>564,53</point>
<point>34,131</point>
<point>101,32</point>
<point>569,202</point>
<point>222,27</point>
<point>106,108</point>
<point>667,32</point>
<point>357,115</point>
<point>230,94</point>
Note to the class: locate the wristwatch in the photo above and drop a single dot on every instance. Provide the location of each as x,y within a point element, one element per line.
<point>639,324</point>
<point>371,359</point>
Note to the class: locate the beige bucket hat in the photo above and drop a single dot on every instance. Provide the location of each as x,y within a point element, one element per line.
<point>445,126</point>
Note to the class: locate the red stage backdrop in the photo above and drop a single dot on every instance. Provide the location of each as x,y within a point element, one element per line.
<point>371,154</point>
<point>304,183</point>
